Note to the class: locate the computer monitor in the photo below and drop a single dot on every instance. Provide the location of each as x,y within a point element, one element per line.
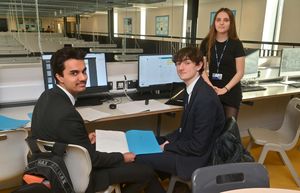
<point>156,72</point>
<point>96,71</point>
<point>251,64</point>
<point>290,63</point>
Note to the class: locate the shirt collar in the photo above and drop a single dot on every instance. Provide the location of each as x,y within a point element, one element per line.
<point>190,88</point>
<point>71,97</point>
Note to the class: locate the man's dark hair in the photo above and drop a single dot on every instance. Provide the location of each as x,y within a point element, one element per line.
<point>189,53</point>
<point>60,56</point>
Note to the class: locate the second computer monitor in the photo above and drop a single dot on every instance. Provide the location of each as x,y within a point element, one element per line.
<point>290,62</point>
<point>156,72</point>
<point>96,71</point>
<point>251,64</point>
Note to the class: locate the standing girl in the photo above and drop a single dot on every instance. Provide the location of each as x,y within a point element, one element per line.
<point>225,61</point>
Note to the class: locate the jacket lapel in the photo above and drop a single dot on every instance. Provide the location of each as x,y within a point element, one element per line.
<point>59,91</point>
<point>190,104</point>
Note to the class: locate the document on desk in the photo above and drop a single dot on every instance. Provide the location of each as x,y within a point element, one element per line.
<point>90,114</point>
<point>139,106</point>
<point>7,123</point>
<point>136,141</point>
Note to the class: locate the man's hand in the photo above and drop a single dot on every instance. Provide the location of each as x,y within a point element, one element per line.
<point>129,157</point>
<point>92,137</point>
<point>162,146</point>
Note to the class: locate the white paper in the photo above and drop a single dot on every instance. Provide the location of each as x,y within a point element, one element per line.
<point>139,106</point>
<point>90,114</point>
<point>111,141</point>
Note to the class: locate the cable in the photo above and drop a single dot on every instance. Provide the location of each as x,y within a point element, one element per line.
<point>125,88</point>
<point>38,25</point>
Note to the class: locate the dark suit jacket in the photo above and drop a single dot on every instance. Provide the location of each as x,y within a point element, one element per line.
<point>202,121</point>
<point>56,119</point>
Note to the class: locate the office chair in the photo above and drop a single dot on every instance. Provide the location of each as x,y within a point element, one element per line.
<point>223,177</point>
<point>219,155</point>
<point>13,150</point>
<point>173,181</point>
<point>79,165</point>
<point>281,140</point>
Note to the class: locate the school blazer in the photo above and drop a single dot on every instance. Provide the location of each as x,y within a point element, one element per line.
<point>202,122</point>
<point>56,119</point>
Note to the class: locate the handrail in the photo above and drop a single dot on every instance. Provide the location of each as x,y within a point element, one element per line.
<point>293,44</point>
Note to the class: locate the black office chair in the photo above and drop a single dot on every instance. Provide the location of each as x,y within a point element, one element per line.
<point>223,177</point>
<point>228,148</point>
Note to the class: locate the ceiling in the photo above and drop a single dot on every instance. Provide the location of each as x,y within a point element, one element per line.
<point>60,8</point>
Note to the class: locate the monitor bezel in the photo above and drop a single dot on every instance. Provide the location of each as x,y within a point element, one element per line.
<point>90,91</point>
<point>154,87</point>
<point>251,76</point>
<point>288,74</point>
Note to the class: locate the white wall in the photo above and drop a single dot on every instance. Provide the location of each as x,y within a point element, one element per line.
<point>249,17</point>
<point>134,15</point>
<point>290,28</point>
<point>95,23</point>
<point>207,7</point>
<point>252,20</point>
<point>175,20</point>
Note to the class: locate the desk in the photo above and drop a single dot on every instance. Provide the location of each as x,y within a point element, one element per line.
<point>262,190</point>
<point>272,90</point>
<point>115,114</point>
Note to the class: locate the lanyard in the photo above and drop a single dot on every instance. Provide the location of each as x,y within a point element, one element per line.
<point>217,57</point>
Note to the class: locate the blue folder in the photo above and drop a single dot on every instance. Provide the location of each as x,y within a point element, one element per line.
<point>142,142</point>
<point>7,123</point>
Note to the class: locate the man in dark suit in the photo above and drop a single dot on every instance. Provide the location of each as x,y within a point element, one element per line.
<point>56,119</point>
<point>190,146</point>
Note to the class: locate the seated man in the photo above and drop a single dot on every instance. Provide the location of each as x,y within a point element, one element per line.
<point>190,146</point>
<point>56,119</point>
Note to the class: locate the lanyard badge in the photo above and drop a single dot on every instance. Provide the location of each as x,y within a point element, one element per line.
<point>218,76</point>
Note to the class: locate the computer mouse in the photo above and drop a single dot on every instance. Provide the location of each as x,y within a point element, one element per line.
<point>113,106</point>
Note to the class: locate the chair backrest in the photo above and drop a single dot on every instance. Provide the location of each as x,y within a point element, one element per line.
<point>290,127</point>
<point>218,178</point>
<point>13,159</point>
<point>78,162</point>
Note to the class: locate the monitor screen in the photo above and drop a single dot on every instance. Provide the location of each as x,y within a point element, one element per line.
<point>156,71</point>
<point>290,62</point>
<point>96,71</point>
<point>251,64</point>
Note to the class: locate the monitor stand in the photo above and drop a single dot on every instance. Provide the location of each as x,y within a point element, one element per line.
<point>287,81</point>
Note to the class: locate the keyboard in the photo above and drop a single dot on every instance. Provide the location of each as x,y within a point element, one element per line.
<point>143,96</point>
<point>250,88</point>
<point>175,102</point>
<point>295,84</point>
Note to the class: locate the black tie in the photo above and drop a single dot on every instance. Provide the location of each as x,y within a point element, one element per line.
<point>186,99</point>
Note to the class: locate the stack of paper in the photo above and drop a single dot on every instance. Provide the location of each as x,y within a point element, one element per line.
<point>136,141</point>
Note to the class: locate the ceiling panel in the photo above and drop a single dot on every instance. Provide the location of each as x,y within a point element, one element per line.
<point>60,8</point>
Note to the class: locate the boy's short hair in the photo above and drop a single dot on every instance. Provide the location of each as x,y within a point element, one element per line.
<point>189,53</point>
<point>58,59</point>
